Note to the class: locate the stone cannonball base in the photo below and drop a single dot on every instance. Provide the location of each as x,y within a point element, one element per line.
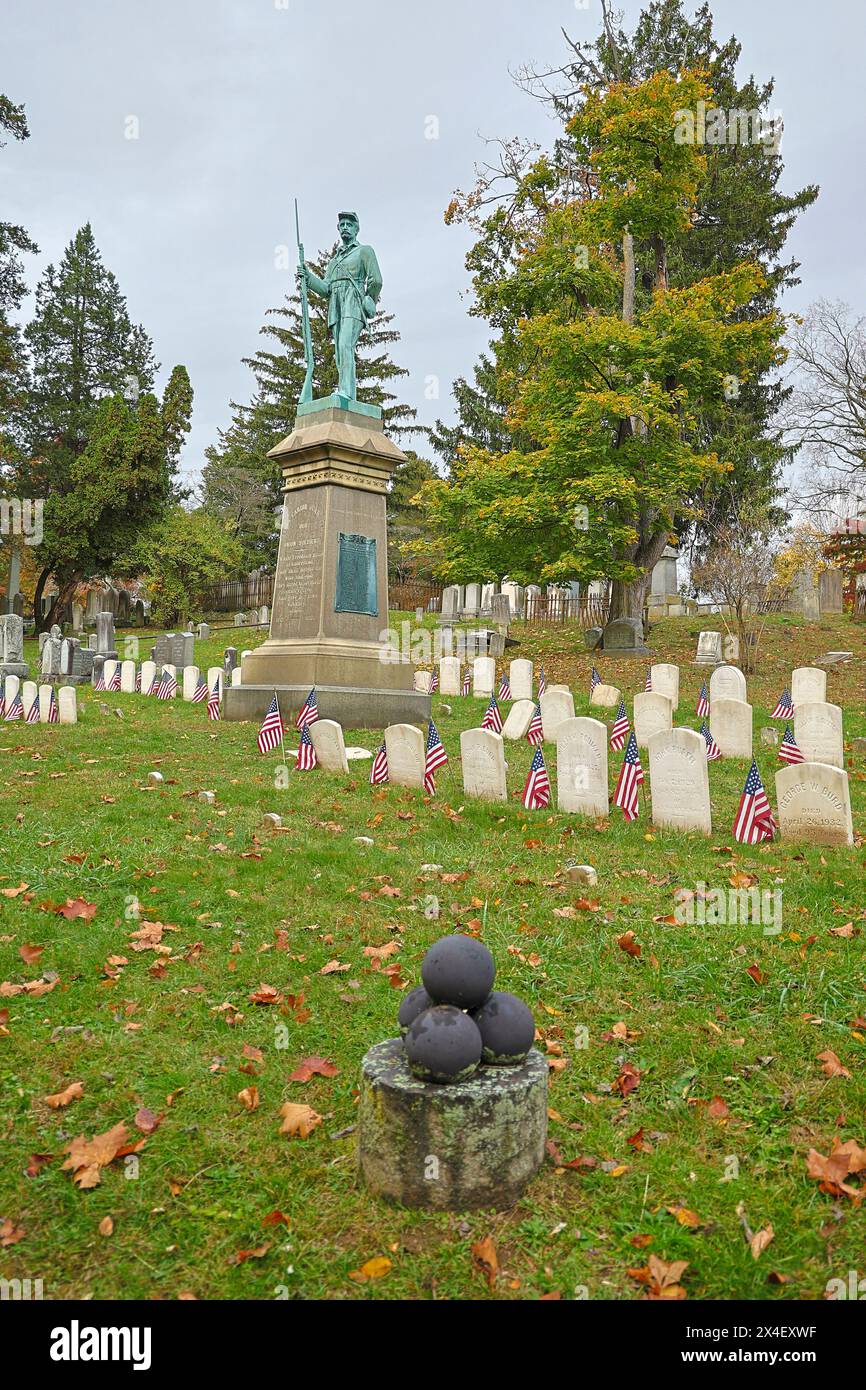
<point>475,1143</point>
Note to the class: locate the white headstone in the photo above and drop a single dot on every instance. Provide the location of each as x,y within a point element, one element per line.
<point>520,679</point>
<point>190,681</point>
<point>818,731</point>
<point>449,675</point>
<point>404,746</point>
<point>518,719</point>
<point>709,652</point>
<point>44,703</point>
<point>29,693</point>
<point>483,760</point>
<point>327,736</point>
<point>679,781</point>
<point>421,682</point>
<point>556,707</point>
<point>605,696</point>
<point>472,601</point>
<point>127,677</point>
<point>236,676</point>
<point>109,667</point>
<point>483,675</point>
<point>67,701</point>
<point>653,714</point>
<point>731,727</point>
<point>666,681</point>
<point>12,688</point>
<point>808,684</point>
<point>168,668</point>
<point>215,673</point>
<point>148,673</point>
<point>581,767</point>
<point>814,804</point>
<point>727,683</point>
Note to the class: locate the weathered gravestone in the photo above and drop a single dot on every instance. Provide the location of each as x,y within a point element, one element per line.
<point>12,688</point>
<point>148,676</point>
<point>518,719</point>
<point>679,781</point>
<point>203,632</point>
<point>808,684</point>
<point>814,804</point>
<point>182,649</point>
<point>520,679</point>
<point>12,661</point>
<point>421,681</point>
<point>731,727</point>
<point>483,675</point>
<point>190,681</point>
<point>472,601</point>
<point>727,683</point>
<point>215,674</point>
<point>581,767</point>
<point>50,665</point>
<point>105,635</point>
<point>45,692</point>
<point>709,652</point>
<point>109,666</point>
<point>666,681</point>
<point>605,696</point>
<point>483,760</point>
<point>327,736</point>
<point>624,637</point>
<point>449,675</point>
<point>653,714</point>
<point>29,693</point>
<point>450,603</point>
<point>818,732</point>
<point>67,703</point>
<point>127,677</point>
<point>230,659</point>
<point>405,749</point>
<point>556,707</point>
<point>830,591</point>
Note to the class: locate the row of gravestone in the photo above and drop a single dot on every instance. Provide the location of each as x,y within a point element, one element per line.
<point>67,699</point>
<point>187,677</point>
<point>813,798</point>
<point>256,617</point>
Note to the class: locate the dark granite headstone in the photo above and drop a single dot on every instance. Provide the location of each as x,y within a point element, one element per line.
<point>624,637</point>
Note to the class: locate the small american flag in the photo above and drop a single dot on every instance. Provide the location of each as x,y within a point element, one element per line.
<point>138,680</point>
<point>214,708</point>
<point>620,728</point>
<point>542,682</point>
<point>271,732</point>
<point>114,683</point>
<point>99,683</point>
<point>434,681</point>
<point>435,757</point>
<point>2,697</point>
<point>789,749</point>
<point>200,692</point>
<point>154,685</point>
<point>15,706</point>
<point>467,681</point>
<point>784,706</point>
<point>703,706</point>
<point>535,732</point>
<point>594,680</point>
<point>379,770</point>
<point>309,712</point>
<point>630,778</point>
<point>492,717</point>
<point>754,819</point>
<point>648,683</point>
<point>536,793</point>
<point>53,711</point>
<point>504,687</point>
<point>306,760</point>
<point>33,712</point>
<point>713,749</point>
<point>167,688</point>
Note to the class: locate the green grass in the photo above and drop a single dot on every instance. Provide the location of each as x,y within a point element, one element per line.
<point>699,1026</point>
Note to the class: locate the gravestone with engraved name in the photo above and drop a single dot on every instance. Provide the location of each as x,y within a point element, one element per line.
<point>653,714</point>
<point>556,707</point>
<point>483,761</point>
<point>731,727</point>
<point>405,749</point>
<point>520,679</point>
<point>449,675</point>
<point>665,679</point>
<point>105,635</point>
<point>679,781</point>
<point>327,736</point>
<point>518,720</point>
<point>12,661</point>
<point>709,652</point>
<point>581,767</point>
<point>182,649</point>
<point>818,732</point>
<point>814,804</point>
<point>727,683</point>
<point>808,684</point>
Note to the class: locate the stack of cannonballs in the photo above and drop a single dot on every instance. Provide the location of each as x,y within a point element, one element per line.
<point>452,1022</point>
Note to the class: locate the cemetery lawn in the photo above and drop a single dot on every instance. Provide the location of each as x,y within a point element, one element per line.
<point>721,1026</point>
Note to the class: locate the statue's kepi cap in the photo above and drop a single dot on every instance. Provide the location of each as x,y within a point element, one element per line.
<point>353,216</point>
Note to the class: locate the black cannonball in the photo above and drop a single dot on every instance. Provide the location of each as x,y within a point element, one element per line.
<point>458,970</point>
<point>415,1002</point>
<point>443,1044</point>
<point>507,1029</point>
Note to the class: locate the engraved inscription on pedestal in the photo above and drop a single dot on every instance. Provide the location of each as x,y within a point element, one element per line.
<point>298,584</point>
<point>356,588</point>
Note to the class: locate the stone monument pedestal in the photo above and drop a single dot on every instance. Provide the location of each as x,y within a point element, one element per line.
<point>329,617</point>
<point>469,1144</point>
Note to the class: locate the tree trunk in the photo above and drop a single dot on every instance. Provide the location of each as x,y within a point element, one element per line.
<point>627,597</point>
<point>64,595</point>
<point>38,625</point>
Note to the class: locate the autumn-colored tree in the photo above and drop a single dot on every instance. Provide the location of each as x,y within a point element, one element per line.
<point>607,384</point>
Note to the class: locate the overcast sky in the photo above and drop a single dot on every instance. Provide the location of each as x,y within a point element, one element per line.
<point>242,105</point>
